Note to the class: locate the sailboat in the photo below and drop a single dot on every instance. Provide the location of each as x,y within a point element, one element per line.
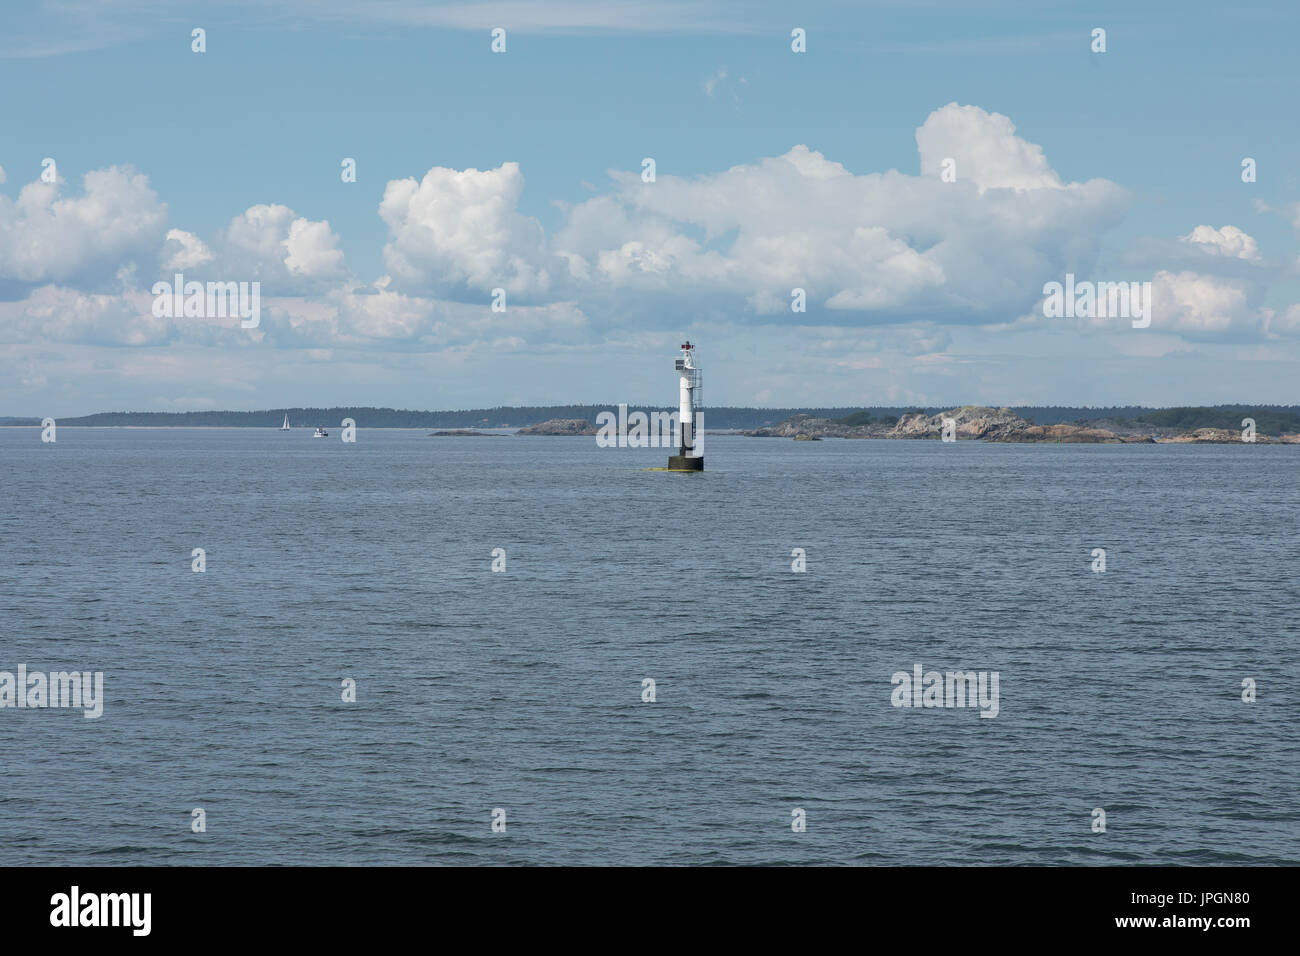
<point>285,426</point>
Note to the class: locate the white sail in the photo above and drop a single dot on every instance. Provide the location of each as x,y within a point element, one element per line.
<point>285,426</point>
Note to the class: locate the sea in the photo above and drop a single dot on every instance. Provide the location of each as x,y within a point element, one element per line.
<point>414,650</point>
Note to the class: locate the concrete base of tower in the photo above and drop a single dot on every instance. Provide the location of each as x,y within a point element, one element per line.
<point>685,463</point>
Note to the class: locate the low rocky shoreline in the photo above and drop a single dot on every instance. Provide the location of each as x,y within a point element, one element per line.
<point>981,423</point>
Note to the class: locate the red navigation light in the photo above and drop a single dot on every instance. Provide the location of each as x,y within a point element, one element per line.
<point>687,344</point>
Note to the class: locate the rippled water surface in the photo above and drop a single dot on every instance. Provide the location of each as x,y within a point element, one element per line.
<point>522,690</point>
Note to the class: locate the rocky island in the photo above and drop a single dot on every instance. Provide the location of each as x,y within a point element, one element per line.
<point>981,423</point>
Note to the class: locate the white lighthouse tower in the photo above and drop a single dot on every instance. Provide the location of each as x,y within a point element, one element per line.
<point>690,456</point>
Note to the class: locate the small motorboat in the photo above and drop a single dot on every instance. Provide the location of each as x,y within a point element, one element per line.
<point>321,433</point>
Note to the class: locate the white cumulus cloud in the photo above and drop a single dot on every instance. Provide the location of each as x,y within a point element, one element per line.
<point>1228,241</point>
<point>1199,305</point>
<point>80,240</point>
<point>275,245</point>
<point>460,229</point>
<point>985,149</point>
<point>883,245</point>
<point>184,250</point>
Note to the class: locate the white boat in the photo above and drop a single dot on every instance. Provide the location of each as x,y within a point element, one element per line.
<point>285,426</point>
<point>321,433</point>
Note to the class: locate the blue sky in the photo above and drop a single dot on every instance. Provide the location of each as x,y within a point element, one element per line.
<point>773,170</point>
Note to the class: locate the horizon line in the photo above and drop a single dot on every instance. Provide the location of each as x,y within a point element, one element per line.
<point>493,408</point>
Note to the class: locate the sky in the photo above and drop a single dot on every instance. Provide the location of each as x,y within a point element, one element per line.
<point>921,170</point>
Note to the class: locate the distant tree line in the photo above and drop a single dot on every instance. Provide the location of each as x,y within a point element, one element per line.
<point>1269,419</point>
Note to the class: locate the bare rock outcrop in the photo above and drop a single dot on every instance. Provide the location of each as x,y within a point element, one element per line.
<point>806,427</point>
<point>1066,434</point>
<point>972,421</point>
<point>560,426</point>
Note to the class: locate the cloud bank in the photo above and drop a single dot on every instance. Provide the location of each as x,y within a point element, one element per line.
<point>968,241</point>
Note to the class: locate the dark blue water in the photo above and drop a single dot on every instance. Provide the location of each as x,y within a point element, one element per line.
<point>522,690</point>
